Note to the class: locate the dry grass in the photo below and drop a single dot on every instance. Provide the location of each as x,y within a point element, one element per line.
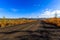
<point>55,21</point>
<point>13,22</point>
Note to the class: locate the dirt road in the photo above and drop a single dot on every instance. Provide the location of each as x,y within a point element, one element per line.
<point>33,31</point>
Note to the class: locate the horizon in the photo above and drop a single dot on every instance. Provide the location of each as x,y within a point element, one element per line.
<point>29,8</point>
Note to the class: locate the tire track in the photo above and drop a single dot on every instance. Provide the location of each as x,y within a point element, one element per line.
<point>33,27</point>
<point>15,28</point>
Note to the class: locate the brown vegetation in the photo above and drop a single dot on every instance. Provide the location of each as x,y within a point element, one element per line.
<point>54,21</point>
<point>13,22</point>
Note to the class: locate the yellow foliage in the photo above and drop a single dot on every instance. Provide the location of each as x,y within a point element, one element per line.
<point>53,21</point>
<point>13,22</point>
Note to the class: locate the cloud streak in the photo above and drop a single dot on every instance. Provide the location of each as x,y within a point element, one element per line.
<point>50,14</point>
<point>14,10</point>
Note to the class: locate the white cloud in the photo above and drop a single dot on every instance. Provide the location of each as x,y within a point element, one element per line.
<point>1,9</point>
<point>48,14</point>
<point>14,10</point>
<point>11,9</point>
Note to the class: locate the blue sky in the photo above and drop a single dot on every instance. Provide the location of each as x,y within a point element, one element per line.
<point>29,8</point>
